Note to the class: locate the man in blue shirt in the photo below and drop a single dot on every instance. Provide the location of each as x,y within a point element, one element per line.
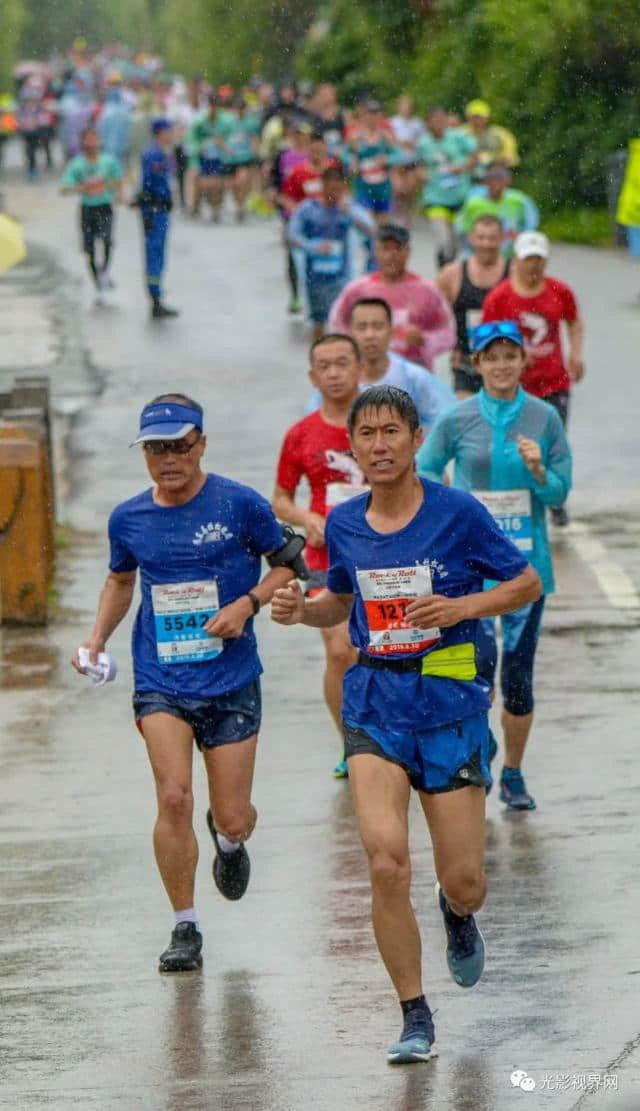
<point>198,540</point>
<point>155,202</point>
<point>407,564</point>
<point>321,227</point>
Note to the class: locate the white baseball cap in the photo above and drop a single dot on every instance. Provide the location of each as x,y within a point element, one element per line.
<point>531,243</point>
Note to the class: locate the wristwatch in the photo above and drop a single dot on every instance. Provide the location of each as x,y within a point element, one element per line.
<point>255,602</point>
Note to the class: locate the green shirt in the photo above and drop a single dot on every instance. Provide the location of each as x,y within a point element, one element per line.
<point>444,189</point>
<point>99,178</point>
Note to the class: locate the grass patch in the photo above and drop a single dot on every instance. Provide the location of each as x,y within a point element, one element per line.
<point>591,226</point>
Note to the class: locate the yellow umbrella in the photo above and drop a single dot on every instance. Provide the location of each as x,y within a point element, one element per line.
<point>12,249</point>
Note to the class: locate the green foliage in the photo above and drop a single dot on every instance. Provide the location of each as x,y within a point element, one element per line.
<point>12,19</point>
<point>580,225</point>
<point>561,74</point>
<point>228,41</point>
<point>347,45</point>
<point>52,25</point>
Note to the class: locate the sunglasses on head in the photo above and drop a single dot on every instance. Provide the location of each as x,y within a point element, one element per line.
<point>166,447</point>
<point>500,329</point>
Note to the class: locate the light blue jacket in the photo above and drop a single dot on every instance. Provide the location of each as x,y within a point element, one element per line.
<point>481,436</point>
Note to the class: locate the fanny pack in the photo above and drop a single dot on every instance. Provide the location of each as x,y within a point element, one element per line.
<point>456,662</point>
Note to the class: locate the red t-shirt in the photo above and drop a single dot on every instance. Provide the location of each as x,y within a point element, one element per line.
<point>539,320</point>
<point>321,452</point>
<point>305,181</point>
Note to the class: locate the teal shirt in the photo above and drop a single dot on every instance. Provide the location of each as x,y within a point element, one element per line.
<point>444,189</point>
<point>481,436</point>
<point>99,177</point>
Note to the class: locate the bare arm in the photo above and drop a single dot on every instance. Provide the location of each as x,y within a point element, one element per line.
<point>115,600</point>
<point>435,609</point>
<point>289,607</point>
<point>576,342</point>
<point>286,509</point>
<point>230,621</point>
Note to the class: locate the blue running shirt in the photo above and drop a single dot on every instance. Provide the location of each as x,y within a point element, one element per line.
<point>450,547</point>
<point>193,559</point>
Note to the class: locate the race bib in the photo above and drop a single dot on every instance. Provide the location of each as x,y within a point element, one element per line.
<point>386,595</point>
<point>511,509</point>
<point>371,172</point>
<point>210,152</point>
<point>94,185</point>
<point>339,492</point>
<point>312,187</point>
<point>472,318</point>
<point>180,611</point>
<point>330,264</point>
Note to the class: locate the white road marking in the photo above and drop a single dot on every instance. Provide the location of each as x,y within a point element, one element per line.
<point>613,579</point>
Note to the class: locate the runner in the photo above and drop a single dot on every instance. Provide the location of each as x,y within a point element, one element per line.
<point>369,150</point>
<point>407,563</point>
<point>155,203</point>
<point>407,130</point>
<point>495,144</point>
<point>448,156</point>
<point>320,227</point>
<point>197,539</point>
<point>510,450</point>
<point>423,323</point>
<point>466,283</point>
<point>304,181</point>
<point>293,152</point>
<point>241,152</point>
<point>514,209</point>
<point>97,178</point>
<point>371,326</point>
<point>317,448</point>
<point>540,304</point>
<point>206,141</point>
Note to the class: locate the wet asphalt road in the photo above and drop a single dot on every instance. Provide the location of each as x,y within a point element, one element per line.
<point>293,1009</point>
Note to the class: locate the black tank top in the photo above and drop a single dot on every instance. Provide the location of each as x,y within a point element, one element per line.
<point>467,307</point>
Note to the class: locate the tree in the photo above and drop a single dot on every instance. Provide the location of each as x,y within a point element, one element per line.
<point>13,20</point>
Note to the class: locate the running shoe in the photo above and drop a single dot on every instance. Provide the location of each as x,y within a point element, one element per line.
<point>560,517</point>
<point>513,790</point>
<point>417,1040</point>
<point>341,770</point>
<point>295,305</point>
<point>465,945</point>
<point>184,953</point>
<point>493,749</point>
<point>231,871</point>
<point>160,311</point>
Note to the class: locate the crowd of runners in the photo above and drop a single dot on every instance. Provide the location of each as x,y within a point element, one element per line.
<point>428,502</point>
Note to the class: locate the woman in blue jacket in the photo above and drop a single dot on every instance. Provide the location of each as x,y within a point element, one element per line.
<point>510,450</point>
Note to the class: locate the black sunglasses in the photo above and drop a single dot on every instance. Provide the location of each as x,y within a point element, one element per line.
<point>166,447</point>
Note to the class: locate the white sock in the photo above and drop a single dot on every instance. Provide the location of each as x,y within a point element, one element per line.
<point>186,916</point>
<point>227,846</point>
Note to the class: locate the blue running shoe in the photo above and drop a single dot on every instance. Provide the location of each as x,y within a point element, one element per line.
<point>465,945</point>
<point>417,1040</point>
<point>493,748</point>
<point>341,770</point>
<point>513,790</point>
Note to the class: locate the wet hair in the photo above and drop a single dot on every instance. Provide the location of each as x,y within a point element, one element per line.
<point>333,173</point>
<point>487,218</point>
<point>497,165</point>
<point>384,397</point>
<point>179,399</point>
<point>378,302</point>
<point>334,337</point>
<point>435,109</point>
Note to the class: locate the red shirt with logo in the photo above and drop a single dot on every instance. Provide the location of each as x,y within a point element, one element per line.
<point>539,319</point>
<point>305,181</point>
<point>320,451</point>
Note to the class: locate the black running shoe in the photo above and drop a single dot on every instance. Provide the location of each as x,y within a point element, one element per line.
<point>161,312</point>
<point>184,953</point>
<point>560,517</point>
<point>231,871</point>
